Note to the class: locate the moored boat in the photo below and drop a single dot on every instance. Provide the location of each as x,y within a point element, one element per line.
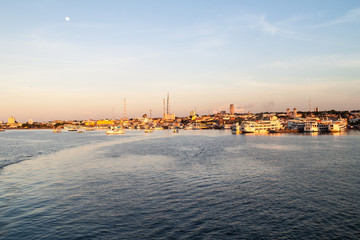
<point>260,126</point>
<point>57,130</point>
<point>285,131</point>
<point>337,126</point>
<point>236,129</point>
<point>115,132</point>
<point>311,126</point>
<point>248,127</point>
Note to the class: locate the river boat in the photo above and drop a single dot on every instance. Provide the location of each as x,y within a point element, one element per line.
<point>2,130</point>
<point>338,126</point>
<point>57,130</point>
<point>81,131</point>
<point>311,126</point>
<point>72,129</point>
<point>323,126</point>
<point>260,126</point>
<point>115,132</point>
<point>149,130</point>
<point>188,127</point>
<point>296,125</point>
<point>285,131</point>
<point>236,129</point>
<point>175,130</point>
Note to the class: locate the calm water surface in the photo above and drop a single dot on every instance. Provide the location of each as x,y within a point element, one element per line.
<point>194,184</point>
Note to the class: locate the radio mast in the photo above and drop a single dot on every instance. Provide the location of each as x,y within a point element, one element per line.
<point>167,106</point>
<point>124,108</point>
<point>164,107</point>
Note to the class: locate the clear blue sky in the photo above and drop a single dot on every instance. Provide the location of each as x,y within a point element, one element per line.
<point>258,55</point>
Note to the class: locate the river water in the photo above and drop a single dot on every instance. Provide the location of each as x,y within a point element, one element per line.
<point>193,184</point>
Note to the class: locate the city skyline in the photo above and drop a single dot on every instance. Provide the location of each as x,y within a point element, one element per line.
<point>79,60</point>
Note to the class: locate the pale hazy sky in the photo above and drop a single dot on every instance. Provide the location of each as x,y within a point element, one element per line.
<point>258,55</point>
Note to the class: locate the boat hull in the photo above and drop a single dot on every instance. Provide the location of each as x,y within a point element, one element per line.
<point>112,132</point>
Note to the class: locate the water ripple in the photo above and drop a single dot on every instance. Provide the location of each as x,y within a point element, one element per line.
<point>193,186</point>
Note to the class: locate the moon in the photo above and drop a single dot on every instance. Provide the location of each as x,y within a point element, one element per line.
<point>67,19</point>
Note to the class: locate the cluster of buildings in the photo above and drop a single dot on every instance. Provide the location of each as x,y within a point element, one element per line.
<point>288,121</point>
<point>13,124</point>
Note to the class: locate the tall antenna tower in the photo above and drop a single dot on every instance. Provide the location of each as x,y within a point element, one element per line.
<point>124,108</point>
<point>167,106</point>
<point>164,106</point>
<point>150,114</point>
<point>309,105</point>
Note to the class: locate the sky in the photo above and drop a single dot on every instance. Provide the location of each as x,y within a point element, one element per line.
<point>81,59</point>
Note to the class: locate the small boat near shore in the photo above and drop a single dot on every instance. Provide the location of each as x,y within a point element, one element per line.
<point>149,130</point>
<point>57,130</point>
<point>115,132</point>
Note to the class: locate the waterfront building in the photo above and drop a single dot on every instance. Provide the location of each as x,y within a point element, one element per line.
<point>104,122</point>
<point>90,122</point>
